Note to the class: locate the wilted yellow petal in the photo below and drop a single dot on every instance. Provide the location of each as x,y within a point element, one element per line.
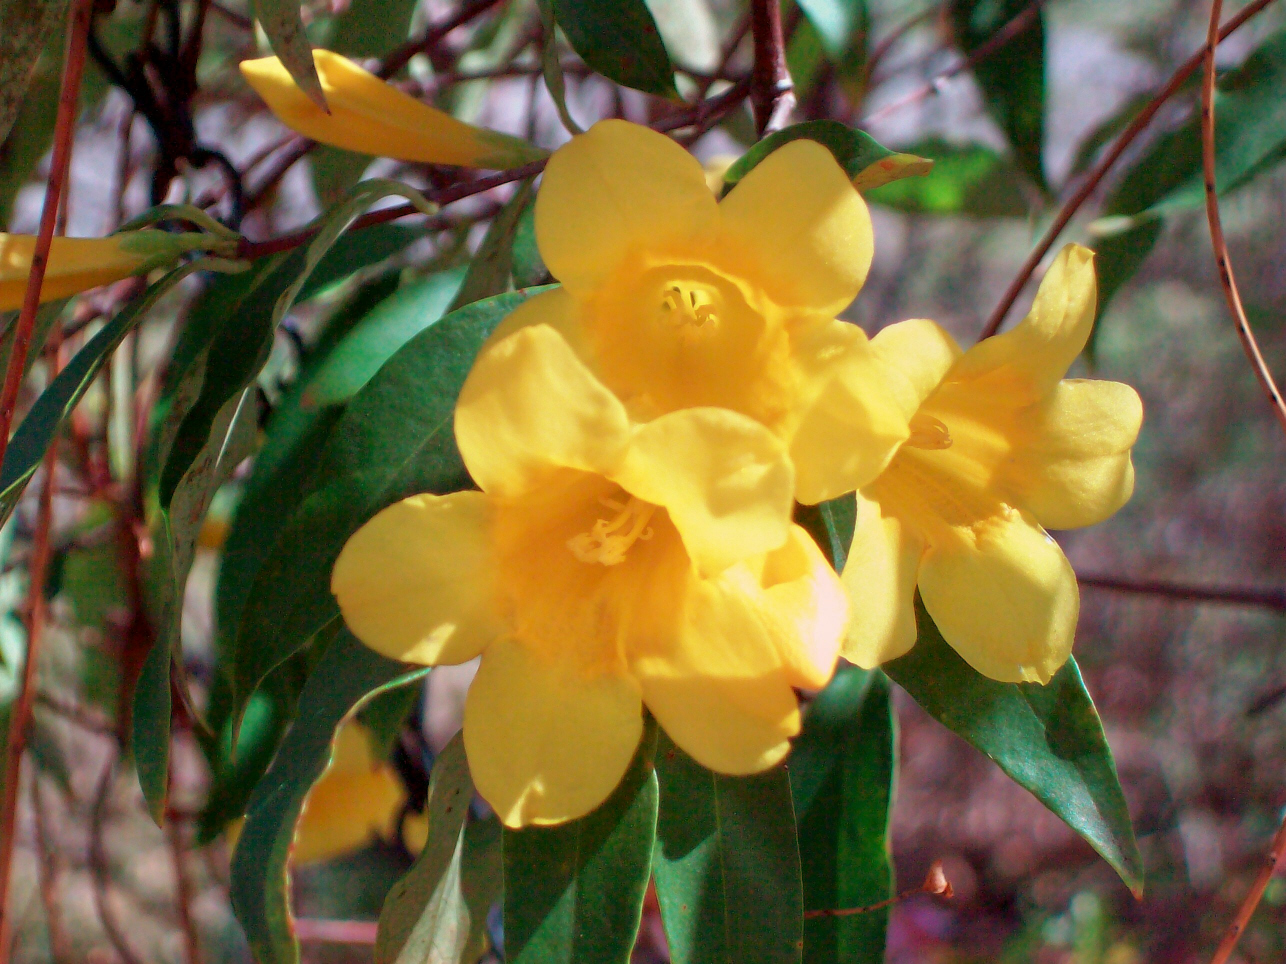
<point>370,116</point>
<point>619,191</point>
<point>880,575</point>
<point>415,583</point>
<point>797,226</point>
<point>545,743</point>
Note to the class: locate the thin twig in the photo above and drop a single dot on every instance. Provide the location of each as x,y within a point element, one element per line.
<point>99,866</point>
<point>79,715</point>
<point>1092,179</point>
<point>1013,28</point>
<point>935,882</point>
<point>772,92</point>
<point>1274,599</point>
<point>402,56</point>
<point>881,49</point>
<point>1220,244</point>
<point>1248,904</point>
<point>234,18</point>
<point>47,865</point>
<point>183,892</point>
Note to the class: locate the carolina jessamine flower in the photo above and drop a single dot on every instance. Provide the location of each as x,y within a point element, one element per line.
<point>370,116</point>
<point>603,567</point>
<point>1001,447</point>
<point>356,799</point>
<point>676,300</point>
<point>78,264</point>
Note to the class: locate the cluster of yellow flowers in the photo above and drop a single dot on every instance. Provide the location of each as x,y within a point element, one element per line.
<point>640,436</point>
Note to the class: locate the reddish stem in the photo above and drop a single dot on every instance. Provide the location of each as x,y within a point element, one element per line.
<point>1248,904</point>
<point>1274,599</point>
<point>772,93</point>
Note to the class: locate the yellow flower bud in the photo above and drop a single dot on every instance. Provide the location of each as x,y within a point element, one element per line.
<point>370,116</point>
<point>75,264</point>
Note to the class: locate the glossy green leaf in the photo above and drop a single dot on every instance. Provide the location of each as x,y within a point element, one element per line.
<point>727,864</point>
<point>347,674</point>
<point>45,417</point>
<point>619,40</point>
<point>492,265</point>
<point>1012,77</point>
<point>867,162</point>
<point>1048,738</point>
<point>26,26</point>
<point>395,440</point>
<point>574,892</point>
<point>378,336</point>
<point>842,771</point>
<point>966,179</point>
<point>281,22</point>
<point>425,917</point>
<point>831,525</point>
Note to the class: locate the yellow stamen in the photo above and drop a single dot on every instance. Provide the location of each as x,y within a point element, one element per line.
<point>928,432</point>
<point>689,305</point>
<point>608,540</point>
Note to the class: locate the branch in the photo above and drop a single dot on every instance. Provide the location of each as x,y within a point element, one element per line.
<point>1275,854</point>
<point>1222,260</point>
<point>935,882</point>
<point>402,56</point>
<point>772,92</point>
<point>1104,165</point>
<point>99,867</point>
<point>1274,599</point>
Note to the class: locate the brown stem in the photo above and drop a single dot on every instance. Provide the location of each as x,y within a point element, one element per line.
<point>1274,599</point>
<point>772,92</point>
<point>1188,68</point>
<point>402,56</point>
<point>882,48</point>
<point>1248,904</point>
<point>47,862</point>
<point>99,866</point>
<point>183,892</point>
<point>1223,261</point>
<point>935,882</point>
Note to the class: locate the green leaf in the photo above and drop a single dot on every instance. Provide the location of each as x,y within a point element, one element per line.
<point>346,675</point>
<point>619,39</point>
<point>1049,739</point>
<point>26,26</point>
<point>150,730</point>
<point>574,892</point>
<point>529,267</point>
<point>285,29</point>
<point>1012,77</point>
<point>395,440</point>
<point>831,525</point>
<point>371,27</point>
<point>379,336</point>
<point>37,431</point>
<point>839,23</point>
<point>425,917</point>
<point>491,267</point>
<point>727,864</point>
<point>867,162</point>
<point>482,881</point>
<point>966,179</point>
<point>842,773</point>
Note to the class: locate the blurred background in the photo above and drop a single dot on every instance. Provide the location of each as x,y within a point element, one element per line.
<point>1192,691</point>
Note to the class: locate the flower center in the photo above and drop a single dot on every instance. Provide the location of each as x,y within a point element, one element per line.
<point>928,432</point>
<point>687,304</point>
<point>608,540</point>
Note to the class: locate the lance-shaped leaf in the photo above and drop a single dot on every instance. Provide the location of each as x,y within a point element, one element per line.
<point>25,28</point>
<point>346,675</point>
<point>574,892</point>
<point>620,40</point>
<point>282,23</point>
<point>967,179</point>
<point>727,864</point>
<point>1047,738</point>
<point>831,525</point>
<point>867,163</point>
<point>842,772</point>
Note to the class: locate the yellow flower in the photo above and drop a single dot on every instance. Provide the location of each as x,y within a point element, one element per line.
<point>676,300</point>
<point>356,799</point>
<point>78,264</point>
<point>370,116</point>
<point>603,567</point>
<point>1001,447</point>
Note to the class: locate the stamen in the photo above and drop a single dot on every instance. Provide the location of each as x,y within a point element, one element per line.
<point>608,540</point>
<point>697,309</point>
<point>928,432</point>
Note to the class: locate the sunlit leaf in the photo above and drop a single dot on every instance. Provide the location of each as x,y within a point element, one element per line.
<point>867,162</point>
<point>966,179</point>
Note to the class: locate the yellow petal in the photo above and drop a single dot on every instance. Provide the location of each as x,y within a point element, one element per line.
<point>554,308</point>
<point>356,799</point>
<point>615,192</point>
<point>855,420</point>
<point>1023,365</point>
<point>724,479</point>
<point>370,116</point>
<point>415,583</point>
<point>805,598</point>
<point>545,743</point>
<point>797,226</point>
<point>530,405</point>
<point>917,355</point>
<point>1004,597</point>
<point>721,690</point>
<point>75,264</point>
<point>1072,467</point>
<point>879,576</point>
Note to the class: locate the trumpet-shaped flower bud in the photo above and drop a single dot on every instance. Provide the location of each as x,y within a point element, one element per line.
<point>370,116</point>
<point>1001,447</point>
<point>605,566</point>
